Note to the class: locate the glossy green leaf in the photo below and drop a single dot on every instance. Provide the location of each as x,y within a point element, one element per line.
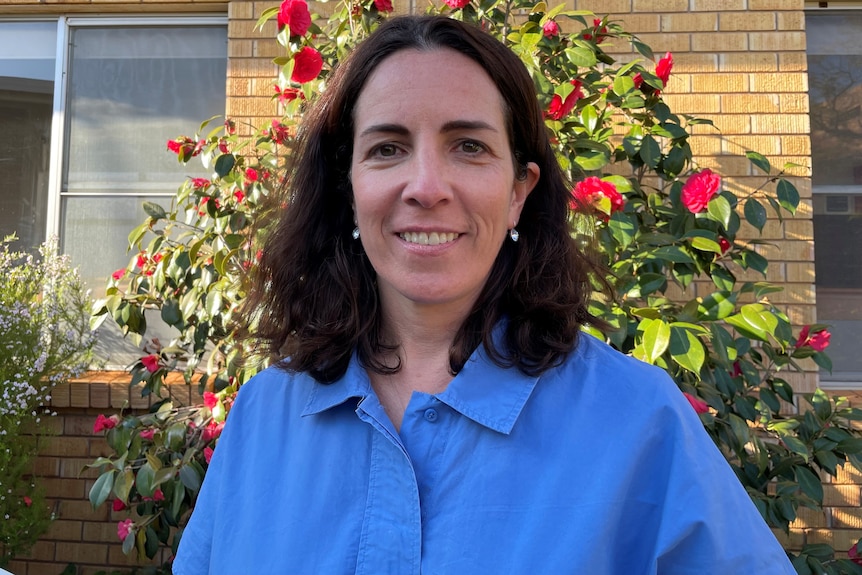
<point>717,305</point>
<point>760,161</point>
<point>656,338</point>
<point>101,489</point>
<point>719,210</point>
<point>650,151</point>
<point>687,350</point>
<point>755,213</point>
<point>788,196</point>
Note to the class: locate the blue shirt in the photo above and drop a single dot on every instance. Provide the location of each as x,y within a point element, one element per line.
<point>598,466</point>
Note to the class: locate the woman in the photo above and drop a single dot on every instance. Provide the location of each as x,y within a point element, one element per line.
<point>437,410</point>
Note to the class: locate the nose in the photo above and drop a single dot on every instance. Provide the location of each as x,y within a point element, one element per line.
<point>428,180</point>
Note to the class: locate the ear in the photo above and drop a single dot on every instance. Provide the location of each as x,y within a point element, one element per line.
<point>522,188</point>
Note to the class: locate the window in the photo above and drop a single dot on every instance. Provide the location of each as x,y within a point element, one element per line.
<point>86,107</point>
<point>835,92</point>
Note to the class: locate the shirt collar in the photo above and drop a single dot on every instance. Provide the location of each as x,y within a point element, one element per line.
<point>490,395</point>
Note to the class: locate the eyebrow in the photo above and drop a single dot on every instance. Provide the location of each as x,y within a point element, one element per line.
<point>452,126</point>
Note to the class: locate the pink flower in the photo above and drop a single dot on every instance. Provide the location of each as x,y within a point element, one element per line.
<point>699,189</point>
<point>663,68</point>
<point>208,454</point>
<point>457,4</point>
<point>118,275</point>
<point>124,528</point>
<point>383,5</point>
<point>198,183</point>
<point>147,434</point>
<point>699,405</point>
<point>307,64</point>
<point>589,193</point>
<point>210,399</point>
<point>174,146</point>
<point>27,501</point>
<point>551,29</point>
<point>103,423</point>
<point>151,362</point>
<point>118,505</point>
<point>295,15</point>
<point>212,431</point>
<point>818,341</point>
<point>559,108</point>
<point>158,495</point>
<point>853,554</point>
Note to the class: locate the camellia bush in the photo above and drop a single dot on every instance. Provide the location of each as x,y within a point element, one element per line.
<point>45,339</point>
<point>661,224</point>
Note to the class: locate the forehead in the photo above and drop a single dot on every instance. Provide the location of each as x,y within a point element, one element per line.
<point>413,85</point>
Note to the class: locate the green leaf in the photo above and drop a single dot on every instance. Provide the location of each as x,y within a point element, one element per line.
<point>589,118</point>
<point>717,305</point>
<point>623,228</point>
<point>145,480</point>
<point>719,210</point>
<point>123,484</point>
<point>581,57</point>
<point>623,85</point>
<point>760,161</point>
<point>656,338</point>
<point>755,213</point>
<point>154,210</point>
<point>650,152</point>
<point>102,488</point>
<point>788,196</point>
<point>651,282</point>
<point>795,445</point>
<point>224,164</point>
<point>686,349</point>
<point>190,478</point>
<point>705,245</point>
<point>722,278</point>
<point>822,404</point>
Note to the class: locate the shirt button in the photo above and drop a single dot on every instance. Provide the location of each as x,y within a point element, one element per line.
<point>431,415</point>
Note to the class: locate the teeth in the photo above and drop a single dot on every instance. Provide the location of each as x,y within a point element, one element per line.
<point>426,239</point>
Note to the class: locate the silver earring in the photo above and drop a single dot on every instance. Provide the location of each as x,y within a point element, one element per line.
<point>356,233</point>
<point>513,233</point>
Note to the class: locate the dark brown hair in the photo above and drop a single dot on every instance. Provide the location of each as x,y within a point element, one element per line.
<point>314,298</point>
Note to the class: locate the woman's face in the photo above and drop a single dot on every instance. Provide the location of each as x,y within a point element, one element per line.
<point>433,176</point>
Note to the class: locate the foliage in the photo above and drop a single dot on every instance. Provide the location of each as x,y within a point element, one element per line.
<point>44,340</point>
<point>666,229</point>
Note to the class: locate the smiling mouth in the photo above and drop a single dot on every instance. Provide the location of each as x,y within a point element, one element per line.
<point>428,239</point>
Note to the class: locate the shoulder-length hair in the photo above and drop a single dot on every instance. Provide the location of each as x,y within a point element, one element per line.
<point>314,300</point>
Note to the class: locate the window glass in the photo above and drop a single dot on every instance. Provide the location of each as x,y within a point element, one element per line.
<point>26,103</point>
<point>835,91</point>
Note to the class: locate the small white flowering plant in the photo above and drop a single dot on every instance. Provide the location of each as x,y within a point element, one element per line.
<point>45,339</point>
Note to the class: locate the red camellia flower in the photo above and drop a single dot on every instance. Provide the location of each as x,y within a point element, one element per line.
<point>158,495</point>
<point>295,15</point>
<point>307,64</point>
<point>142,259</point>
<point>199,183</point>
<point>699,189</point>
<point>638,79</point>
<point>724,245</point>
<point>239,196</point>
<point>853,554</point>
<point>251,175</point>
<point>151,362</point>
<point>27,501</point>
<point>457,4</point>
<point>279,132</point>
<point>210,399</point>
<point>551,29</point>
<point>124,528</point>
<point>818,341</point>
<point>118,275</point>
<point>699,405</point>
<point>663,68</point>
<point>589,192</point>
<point>230,126</point>
<point>559,108</point>
<point>600,33</point>
<point>383,5</point>
<point>208,454</point>
<point>174,146</point>
<point>212,431</point>
<point>103,423</point>
<point>147,434</point>
<point>288,94</point>
<point>118,505</point>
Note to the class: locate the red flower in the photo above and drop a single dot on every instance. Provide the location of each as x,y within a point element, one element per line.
<point>118,505</point>
<point>208,454</point>
<point>118,275</point>
<point>103,423</point>
<point>457,4</point>
<point>239,196</point>
<point>158,495</point>
<point>212,431</point>
<point>174,146</point>
<point>663,68</point>
<point>251,175</point>
<point>600,33</point>
<point>230,126</point>
<point>289,94</point>
<point>27,501</point>
<point>295,15</point>
<point>142,259</point>
<point>818,341</point>
<point>199,183</point>
<point>307,64</point>
<point>699,189</point>
<point>124,528</point>
<point>222,147</point>
<point>699,405</point>
<point>724,245</point>
<point>151,362</point>
<point>147,434</point>
<point>590,193</point>
<point>559,108</point>
<point>853,554</point>
<point>737,369</point>
<point>279,132</point>
<point>210,399</point>
<point>157,258</point>
<point>551,29</point>
<point>383,5</point>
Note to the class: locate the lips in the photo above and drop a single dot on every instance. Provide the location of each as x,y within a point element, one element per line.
<point>428,238</point>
